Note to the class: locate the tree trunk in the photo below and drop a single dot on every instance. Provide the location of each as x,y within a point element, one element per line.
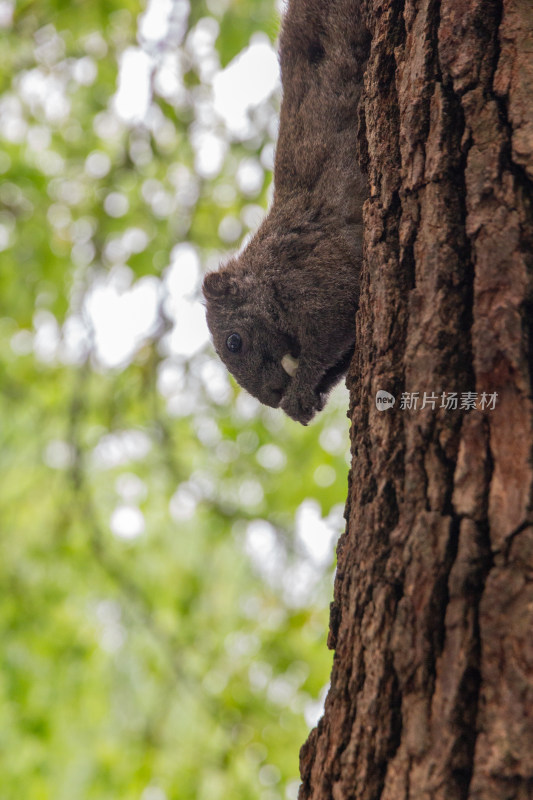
<point>432,624</point>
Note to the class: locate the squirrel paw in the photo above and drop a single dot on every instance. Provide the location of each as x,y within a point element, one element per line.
<point>302,409</point>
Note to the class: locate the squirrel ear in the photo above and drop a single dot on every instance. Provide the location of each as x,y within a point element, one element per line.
<point>217,285</point>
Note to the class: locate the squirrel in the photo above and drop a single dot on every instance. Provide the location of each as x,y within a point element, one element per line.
<point>282,312</point>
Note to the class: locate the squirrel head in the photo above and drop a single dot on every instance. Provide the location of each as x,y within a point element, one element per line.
<point>257,354</point>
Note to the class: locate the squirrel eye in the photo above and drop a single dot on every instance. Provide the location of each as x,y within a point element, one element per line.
<point>234,343</point>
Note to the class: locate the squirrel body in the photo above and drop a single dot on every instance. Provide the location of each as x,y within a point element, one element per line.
<point>282,312</point>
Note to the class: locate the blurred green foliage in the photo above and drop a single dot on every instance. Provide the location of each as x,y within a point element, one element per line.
<point>163,612</point>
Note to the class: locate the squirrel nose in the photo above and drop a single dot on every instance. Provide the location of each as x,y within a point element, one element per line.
<point>275,396</point>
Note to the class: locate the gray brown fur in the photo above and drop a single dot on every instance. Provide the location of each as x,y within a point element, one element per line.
<point>294,288</point>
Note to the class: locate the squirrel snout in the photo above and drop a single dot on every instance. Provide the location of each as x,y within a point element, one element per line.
<point>273,397</point>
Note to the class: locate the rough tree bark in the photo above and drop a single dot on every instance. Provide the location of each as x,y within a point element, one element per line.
<point>432,624</point>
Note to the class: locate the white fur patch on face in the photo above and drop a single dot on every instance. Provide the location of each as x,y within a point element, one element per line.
<point>289,364</point>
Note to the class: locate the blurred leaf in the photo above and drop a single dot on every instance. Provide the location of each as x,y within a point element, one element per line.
<point>164,616</point>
